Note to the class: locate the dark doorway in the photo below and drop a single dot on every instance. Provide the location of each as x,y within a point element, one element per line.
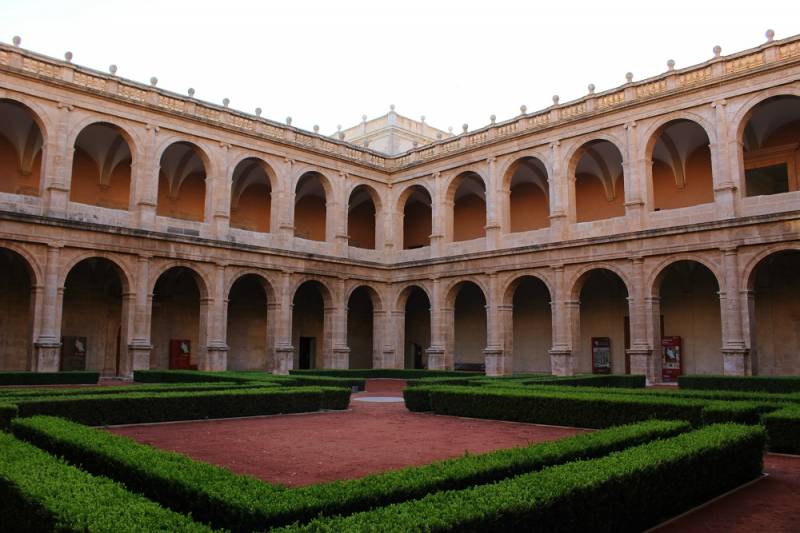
<point>307,352</point>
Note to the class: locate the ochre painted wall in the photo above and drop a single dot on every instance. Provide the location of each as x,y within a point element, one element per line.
<point>247,326</point>
<point>308,316</point>
<point>469,218</point>
<point>309,218</point>
<point>190,201</point>
<point>690,307</point>
<point>529,207</point>
<point>417,222</point>
<point>603,309</point>
<point>417,327</point>
<point>176,315</point>
<point>699,187</point>
<point>470,325</point>
<point>591,202</point>
<point>253,210</point>
<point>12,180</point>
<point>777,315</point>
<point>359,329</point>
<point>86,189</point>
<point>93,309</point>
<point>532,327</point>
<point>15,317</point>
<point>361,226</point>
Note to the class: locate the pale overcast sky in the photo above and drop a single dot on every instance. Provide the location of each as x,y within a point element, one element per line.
<point>328,63</point>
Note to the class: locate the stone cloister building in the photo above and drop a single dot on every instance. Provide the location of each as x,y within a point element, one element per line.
<point>144,229</point>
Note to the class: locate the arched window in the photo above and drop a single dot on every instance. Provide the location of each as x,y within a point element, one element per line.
<point>182,182</point>
<point>101,167</point>
<point>599,183</point>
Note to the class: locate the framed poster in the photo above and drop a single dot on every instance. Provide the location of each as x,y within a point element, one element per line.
<point>670,359</point>
<point>73,353</point>
<point>180,354</point>
<point>601,355</point>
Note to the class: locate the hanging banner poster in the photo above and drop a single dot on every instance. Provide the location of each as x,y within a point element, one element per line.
<point>670,359</point>
<point>180,352</point>
<point>601,355</point>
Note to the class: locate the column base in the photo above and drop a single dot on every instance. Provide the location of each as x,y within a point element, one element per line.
<point>497,364</point>
<point>387,360</point>
<point>284,360</point>
<point>140,357</point>
<point>736,362</point>
<point>216,359</point>
<point>641,362</point>
<point>435,358</point>
<point>48,356</point>
<point>562,362</point>
<point>341,358</point>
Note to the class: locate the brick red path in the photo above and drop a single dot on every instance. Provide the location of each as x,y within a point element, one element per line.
<point>303,449</point>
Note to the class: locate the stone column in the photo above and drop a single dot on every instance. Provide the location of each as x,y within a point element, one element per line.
<point>284,351</point>
<point>336,214</point>
<point>640,351</point>
<point>219,194</point>
<point>286,200</point>
<point>725,193</point>
<point>140,345</point>
<point>214,312</point>
<point>144,180</point>
<point>382,347</point>
<point>48,345</point>
<point>396,323</point>
<point>557,188</point>
<point>653,313</point>
<point>438,214</point>
<point>634,177</point>
<point>493,228</point>
<point>495,359</point>
<point>561,359</point>
<point>736,357</point>
<point>436,350</point>
<point>57,166</point>
<point>336,328</point>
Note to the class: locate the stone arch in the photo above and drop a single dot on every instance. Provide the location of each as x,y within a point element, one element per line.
<point>656,272</point>
<point>32,264</point>
<point>312,206</point>
<point>374,294</point>
<point>452,288</point>
<point>525,195</point>
<point>514,281</point>
<point>200,277</point>
<point>747,107</point>
<point>579,277</point>
<point>465,324</point>
<point>596,174</point>
<point>183,162</point>
<point>23,140</point>
<point>527,322</point>
<point>404,292</point>
<point>465,201</point>
<point>680,170</point>
<point>746,273</point>
<point>687,303</point>
<point>17,323</point>
<point>312,324</point>
<point>253,184</point>
<point>127,131</point>
<point>327,292</point>
<point>123,270</point>
<point>266,282</point>
<point>413,322</point>
<point>415,208</point>
<point>364,210</point>
<point>364,328</point>
<point>249,296</point>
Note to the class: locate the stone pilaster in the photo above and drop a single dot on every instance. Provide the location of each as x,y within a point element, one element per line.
<point>48,345</point>
<point>561,358</point>
<point>640,352</point>
<point>736,356</point>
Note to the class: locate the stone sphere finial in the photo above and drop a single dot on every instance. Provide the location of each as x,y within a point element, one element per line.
<point>17,40</point>
<point>68,56</point>
<point>288,121</point>
<point>226,102</point>
<point>439,136</point>
<point>338,127</point>
<point>422,118</point>
<point>591,88</point>
<point>670,64</point>
<point>465,127</point>
<point>770,35</point>
<point>629,77</point>
<point>341,135</point>
<point>363,118</point>
<point>316,128</point>
<point>153,81</point>
<point>391,107</point>
<point>112,69</point>
<point>450,130</point>
<point>191,92</point>
<point>492,118</point>
<point>717,51</point>
<point>258,111</point>
<point>523,109</point>
<point>556,98</point>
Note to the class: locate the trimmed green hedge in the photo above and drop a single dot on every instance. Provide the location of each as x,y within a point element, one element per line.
<point>225,500</point>
<point>7,413</point>
<point>783,428</point>
<point>210,493</point>
<point>48,378</point>
<point>630,381</point>
<point>196,376</point>
<point>40,493</point>
<point>630,490</point>
<point>135,408</point>
<point>184,376</point>
<point>741,383</point>
<point>11,395</point>
<point>388,373</point>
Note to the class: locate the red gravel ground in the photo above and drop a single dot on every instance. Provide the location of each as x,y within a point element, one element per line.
<point>310,448</point>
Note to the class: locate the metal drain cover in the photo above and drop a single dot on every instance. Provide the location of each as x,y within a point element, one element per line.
<point>380,399</point>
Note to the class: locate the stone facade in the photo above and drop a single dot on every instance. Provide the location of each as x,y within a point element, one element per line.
<point>133,219</point>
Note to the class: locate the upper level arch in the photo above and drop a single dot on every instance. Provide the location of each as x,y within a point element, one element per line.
<point>363,213</point>
<point>597,180</point>
<point>466,193</point>
<point>182,176</point>
<point>526,185</point>
<point>252,183</point>
<point>22,141</point>
<point>416,206</point>
<point>312,218</point>
<point>101,166</point>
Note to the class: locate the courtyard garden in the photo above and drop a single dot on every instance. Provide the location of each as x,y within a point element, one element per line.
<point>397,450</point>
